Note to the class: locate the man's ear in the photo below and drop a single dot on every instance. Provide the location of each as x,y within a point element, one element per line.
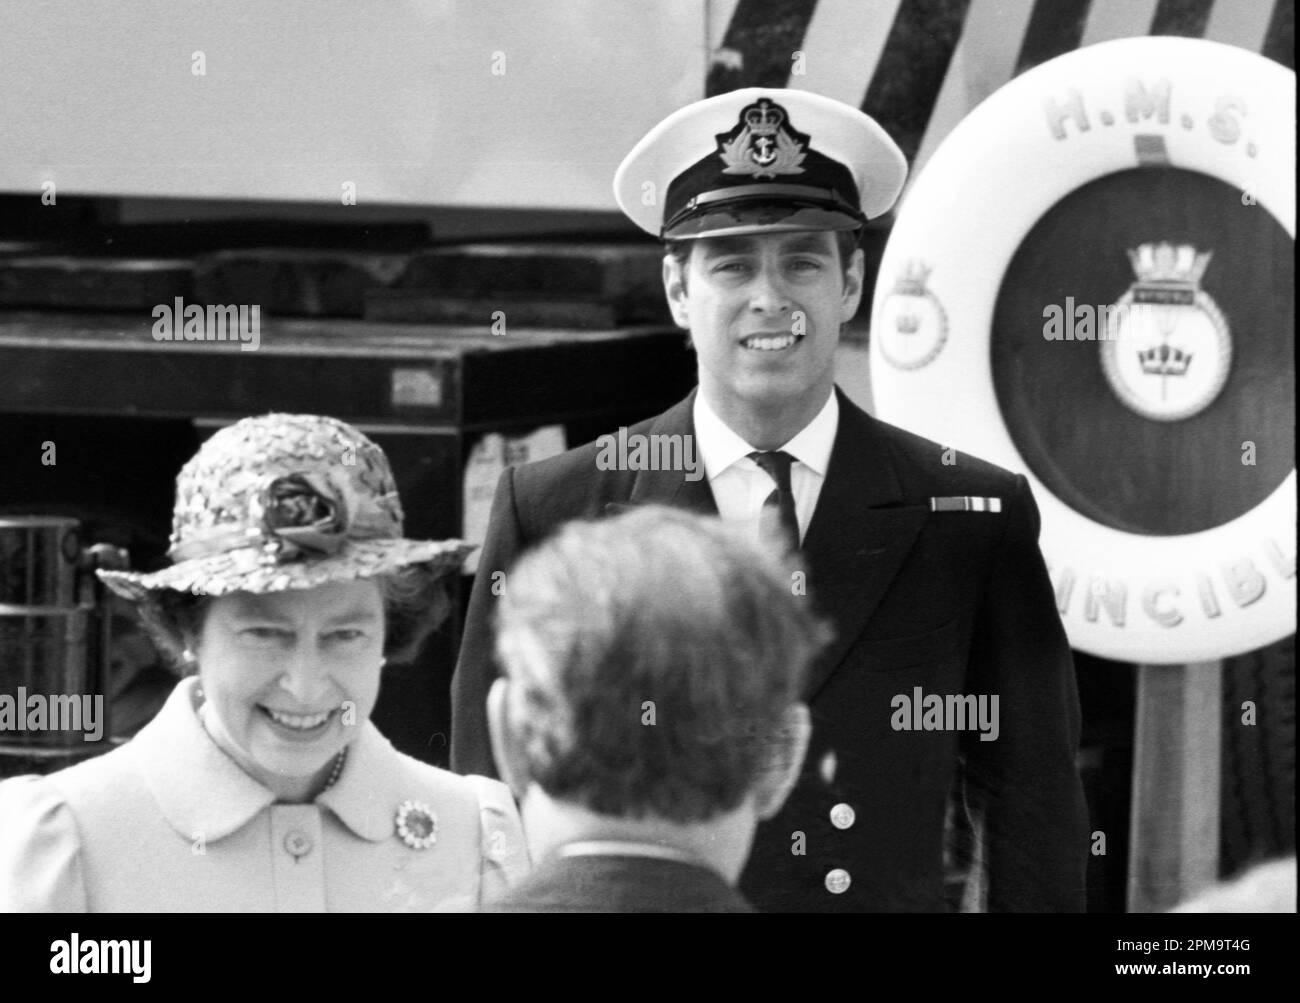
<point>509,765</point>
<point>852,294</point>
<point>786,753</point>
<point>675,290</point>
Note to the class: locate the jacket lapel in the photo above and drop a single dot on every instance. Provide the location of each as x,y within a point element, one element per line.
<point>861,533</point>
<point>670,487</point>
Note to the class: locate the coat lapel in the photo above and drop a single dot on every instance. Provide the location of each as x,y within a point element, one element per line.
<point>860,534</point>
<point>670,487</point>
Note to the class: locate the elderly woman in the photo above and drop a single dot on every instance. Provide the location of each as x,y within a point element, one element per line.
<point>262,785</point>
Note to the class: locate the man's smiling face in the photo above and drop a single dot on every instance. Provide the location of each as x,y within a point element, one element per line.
<point>764,312</point>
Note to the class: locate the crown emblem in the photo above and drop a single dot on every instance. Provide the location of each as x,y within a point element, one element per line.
<point>762,144</point>
<point>912,281</point>
<point>764,118</point>
<point>907,323</point>
<point>1165,262</point>
<point>1164,360</point>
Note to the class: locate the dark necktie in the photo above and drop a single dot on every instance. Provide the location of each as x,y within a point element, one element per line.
<point>781,501</point>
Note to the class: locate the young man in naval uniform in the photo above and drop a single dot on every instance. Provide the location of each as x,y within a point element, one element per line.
<point>929,570</point>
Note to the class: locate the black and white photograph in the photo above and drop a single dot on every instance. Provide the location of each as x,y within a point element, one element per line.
<point>648,457</point>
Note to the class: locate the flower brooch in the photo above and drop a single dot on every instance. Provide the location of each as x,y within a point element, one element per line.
<point>417,825</point>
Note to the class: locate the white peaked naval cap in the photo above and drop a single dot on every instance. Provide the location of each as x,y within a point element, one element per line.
<point>756,160</point>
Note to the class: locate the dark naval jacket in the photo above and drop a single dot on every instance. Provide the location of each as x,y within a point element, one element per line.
<point>927,563</point>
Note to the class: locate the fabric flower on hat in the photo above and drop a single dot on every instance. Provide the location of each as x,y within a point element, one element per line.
<point>298,516</point>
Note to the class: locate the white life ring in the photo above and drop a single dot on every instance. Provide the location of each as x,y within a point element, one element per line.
<point>1210,108</point>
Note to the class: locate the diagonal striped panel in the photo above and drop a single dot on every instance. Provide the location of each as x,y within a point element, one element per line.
<point>920,66</point>
<point>1110,19</point>
<point>842,46</point>
<point>985,59</point>
<point>759,44</point>
<point>1279,43</point>
<point>1055,28</point>
<point>912,68</point>
<point>718,19</point>
<point>1187,18</point>
<point>1241,24</point>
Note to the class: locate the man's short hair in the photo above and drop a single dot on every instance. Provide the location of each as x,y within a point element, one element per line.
<point>652,658</point>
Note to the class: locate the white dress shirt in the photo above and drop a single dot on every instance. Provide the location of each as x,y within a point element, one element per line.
<point>740,486</point>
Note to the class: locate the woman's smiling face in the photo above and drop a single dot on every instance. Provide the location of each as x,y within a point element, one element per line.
<point>288,676</point>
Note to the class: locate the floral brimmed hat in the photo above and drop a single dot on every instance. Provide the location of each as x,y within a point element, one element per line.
<point>285,501</point>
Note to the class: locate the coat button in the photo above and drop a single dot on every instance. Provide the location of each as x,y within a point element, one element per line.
<point>838,881</point>
<point>827,767</point>
<point>843,816</point>
<point>297,844</point>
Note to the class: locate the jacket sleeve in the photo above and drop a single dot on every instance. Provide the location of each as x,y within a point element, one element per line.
<point>40,850</point>
<point>476,667</point>
<point>1026,782</point>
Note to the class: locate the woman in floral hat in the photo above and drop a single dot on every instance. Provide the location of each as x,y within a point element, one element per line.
<point>262,785</point>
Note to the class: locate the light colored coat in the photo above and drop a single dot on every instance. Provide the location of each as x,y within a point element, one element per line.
<point>169,823</point>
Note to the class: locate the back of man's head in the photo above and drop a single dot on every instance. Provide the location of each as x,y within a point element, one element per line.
<point>655,664</point>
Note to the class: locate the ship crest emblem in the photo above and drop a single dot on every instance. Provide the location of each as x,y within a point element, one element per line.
<point>913,325</point>
<point>1170,352</point>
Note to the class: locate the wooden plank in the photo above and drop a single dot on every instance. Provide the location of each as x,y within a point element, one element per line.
<point>1174,825</point>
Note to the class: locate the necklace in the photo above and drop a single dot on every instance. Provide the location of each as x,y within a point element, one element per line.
<point>339,760</point>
